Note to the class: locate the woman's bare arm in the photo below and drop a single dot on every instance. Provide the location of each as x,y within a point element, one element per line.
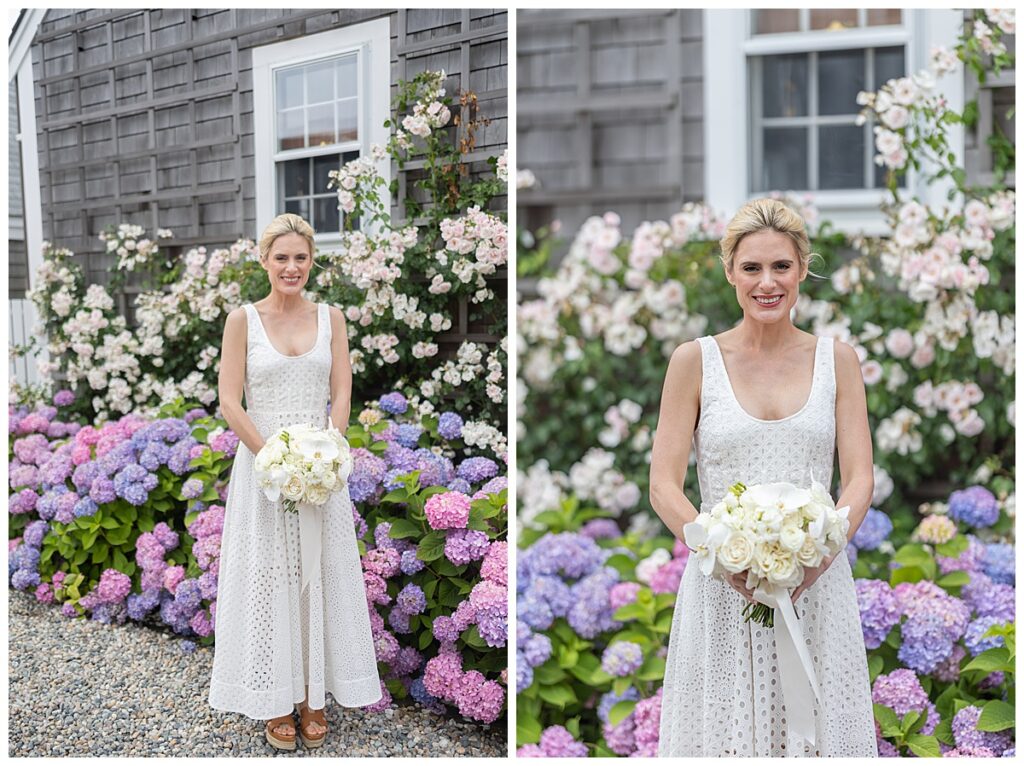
<point>341,371</point>
<point>853,437</point>
<point>677,419</point>
<point>231,378</point>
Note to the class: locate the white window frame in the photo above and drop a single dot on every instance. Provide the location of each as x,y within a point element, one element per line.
<point>728,44</point>
<point>371,41</point>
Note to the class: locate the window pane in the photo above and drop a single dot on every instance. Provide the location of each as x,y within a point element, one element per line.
<point>840,157</point>
<point>298,206</point>
<point>784,91</point>
<point>775,20</point>
<point>320,82</point>
<point>785,159</point>
<point>880,17</point>
<point>348,120</point>
<point>880,173</point>
<point>325,214</point>
<point>888,65</point>
<point>833,18</point>
<point>321,167</point>
<point>296,177</point>
<point>347,74</point>
<point>289,88</point>
<point>840,79</point>
<point>290,130</point>
<point>321,124</point>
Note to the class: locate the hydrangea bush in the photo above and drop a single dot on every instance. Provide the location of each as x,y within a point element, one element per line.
<point>123,522</point>
<point>594,610</point>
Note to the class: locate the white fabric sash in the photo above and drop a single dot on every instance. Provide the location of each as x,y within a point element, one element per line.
<point>311,519</point>
<point>796,672</point>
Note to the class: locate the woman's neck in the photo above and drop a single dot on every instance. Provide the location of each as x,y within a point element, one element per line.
<point>280,303</point>
<point>755,336</point>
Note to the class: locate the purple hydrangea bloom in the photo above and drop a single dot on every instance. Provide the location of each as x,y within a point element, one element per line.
<point>565,553</point>
<point>411,599</point>
<point>411,564</point>
<point>974,636</point>
<point>557,742</point>
<point>536,650</point>
<point>901,691</point>
<point>85,506</point>
<point>449,425</point>
<point>966,734</point>
<point>477,469</point>
<point>394,403</point>
<point>873,531</point>
<point>460,485</point>
<point>465,545</point>
<point>524,674</point>
<point>141,604</point>
<point>408,435</point>
<point>192,489</point>
<point>591,612</point>
<point>25,579</point>
<point>63,398</point>
<point>399,621</point>
<point>34,533</point>
<point>926,643</point>
<point>879,610</point>
<point>622,658</point>
<point>444,629</point>
<point>154,455</point>
<point>166,536</point>
<point>492,629</point>
<point>601,529</point>
<point>181,456</point>
<point>974,506</point>
<point>552,591</point>
<point>998,563</point>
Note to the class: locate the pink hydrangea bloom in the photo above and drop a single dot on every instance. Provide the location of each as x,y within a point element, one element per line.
<point>173,576</point>
<point>623,593</point>
<point>448,510</point>
<point>441,675</point>
<point>495,565</point>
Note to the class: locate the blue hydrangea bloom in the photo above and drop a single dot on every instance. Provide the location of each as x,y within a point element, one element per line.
<point>873,531</point>
<point>460,485</point>
<point>973,636</point>
<point>449,425</point>
<point>524,674</point>
<point>477,469</point>
<point>925,643</point>
<point>394,403</point>
<point>974,506</point>
<point>408,435</point>
<point>611,699</point>
<point>998,563</point>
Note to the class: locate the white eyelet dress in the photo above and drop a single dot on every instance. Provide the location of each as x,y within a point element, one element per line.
<point>722,695</point>
<point>273,640</point>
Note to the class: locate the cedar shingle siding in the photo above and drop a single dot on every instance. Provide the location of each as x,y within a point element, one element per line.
<point>147,116</point>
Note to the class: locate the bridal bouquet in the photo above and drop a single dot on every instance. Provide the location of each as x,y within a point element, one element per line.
<point>304,464</point>
<point>769,531</point>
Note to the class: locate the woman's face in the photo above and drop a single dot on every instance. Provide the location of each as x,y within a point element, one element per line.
<point>288,263</point>
<point>766,273</point>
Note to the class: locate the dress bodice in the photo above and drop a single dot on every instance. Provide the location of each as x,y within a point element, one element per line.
<point>731,445</point>
<point>278,386</point>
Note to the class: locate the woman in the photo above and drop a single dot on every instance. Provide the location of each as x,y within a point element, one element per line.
<point>763,402</point>
<point>278,643</point>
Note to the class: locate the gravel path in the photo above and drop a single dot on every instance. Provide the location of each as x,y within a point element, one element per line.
<point>80,688</point>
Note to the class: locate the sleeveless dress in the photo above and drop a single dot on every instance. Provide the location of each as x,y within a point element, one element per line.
<point>272,639</point>
<point>722,694</point>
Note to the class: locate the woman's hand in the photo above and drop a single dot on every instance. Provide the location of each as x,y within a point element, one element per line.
<point>739,584</point>
<point>811,575</point>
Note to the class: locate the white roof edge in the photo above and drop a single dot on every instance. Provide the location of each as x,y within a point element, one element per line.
<point>21,41</point>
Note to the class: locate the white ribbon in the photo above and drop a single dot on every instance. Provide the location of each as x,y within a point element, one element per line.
<point>796,672</point>
<point>311,521</point>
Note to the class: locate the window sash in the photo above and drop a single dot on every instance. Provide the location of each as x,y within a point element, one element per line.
<point>812,121</point>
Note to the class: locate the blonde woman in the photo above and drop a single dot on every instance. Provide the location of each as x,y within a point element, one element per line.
<point>279,644</point>
<point>763,402</point>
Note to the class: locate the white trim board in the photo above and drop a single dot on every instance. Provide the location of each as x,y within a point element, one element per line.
<point>727,43</point>
<point>373,40</point>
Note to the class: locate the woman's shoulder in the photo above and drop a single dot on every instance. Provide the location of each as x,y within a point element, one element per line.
<point>237,317</point>
<point>686,362</point>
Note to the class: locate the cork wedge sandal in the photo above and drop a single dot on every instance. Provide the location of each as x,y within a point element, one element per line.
<point>281,740</point>
<point>309,716</point>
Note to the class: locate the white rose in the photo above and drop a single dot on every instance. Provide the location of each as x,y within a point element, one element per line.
<point>811,552</point>
<point>737,552</point>
<point>316,494</point>
<point>778,565</point>
<point>792,537</point>
<point>329,480</point>
<point>294,487</point>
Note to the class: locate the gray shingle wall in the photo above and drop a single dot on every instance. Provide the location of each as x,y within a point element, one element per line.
<point>610,113</point>
<point>147,116</point>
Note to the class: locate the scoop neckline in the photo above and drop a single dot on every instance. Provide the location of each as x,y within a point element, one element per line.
<point>270,343</point>
<point>740,407</point>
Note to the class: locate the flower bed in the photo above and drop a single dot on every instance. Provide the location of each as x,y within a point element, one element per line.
<point>594,612</point>
<point>123,522</point>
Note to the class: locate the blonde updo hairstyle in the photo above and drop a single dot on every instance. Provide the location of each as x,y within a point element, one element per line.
<point>287,223</point>
<point>759,215</point>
